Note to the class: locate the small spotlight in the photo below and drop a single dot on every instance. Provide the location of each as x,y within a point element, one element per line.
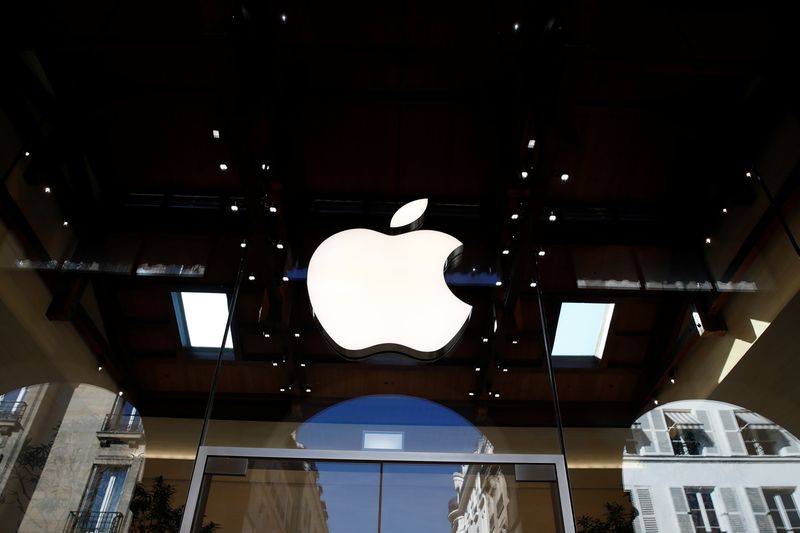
<point>496,394</point>
<point>514,216</point>
<point>119,393</point>
<point>27,154</point>
<point>243,244</point>
<point>471,393</point>
<point>308,389</point>
<point>564,177</point>
<point>302,365</point>
<point>274,363</point>
<point>655,402</point>
<point>672,380</point>
<point>223,166</point>
<point>474,270</point>
<point>533,284</point>
<point>484,339</point>
<point>708,240</point>
<point>266,335</point>
<point>215,134</point>
<point>506,251</point>
<point>477,369</point>
<point>542,253</point>
<point>234,207</point>
<point>251,277</point>
<point>531,143</point>
<point>65,223</point>
<point>672,376</point>
<point>515,341</point>
<point>47,190</point>
<point>279,246</point>
<point>516,26</point>
<point>724,210</point>
<point>748,174</point>
<point>283,18</point>
<point>297,335</point>
<point>494,326</point>
<point>273,209</point>
<point>264,166</point>
<point>505,369</point>
<point>552,217</point>
<point>524,174</point>
<point>285,278</point>
<point>99,368</point>
<point>498,283</point>
<point>282,389</point>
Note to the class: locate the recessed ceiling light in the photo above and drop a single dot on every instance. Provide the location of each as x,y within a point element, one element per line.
<point>506,251</point>
<point>515,341</point>
<point>533,284</point>
<point>243,244</point>
<point>655,402</point>
<point>215,134</point>
<point>234,207</point>
<point>498,283</point>
<point>285,278</point>
<point>251,277</point>
<point>516,26</point>
<point>494,326</point>
<point>724,210</point>
<point>564,177</point>
<point>283,18</point>
<point>119,393</point>
<point>514,216</point>
<point>273,209</point>
<point>302,365</point>
<point>531,143</point>
<point>65,223</point>
<point>542,253</point>
<point>99,368</point>
<point>282,389</point>
<point>748,174</point>
<point>524,174</point>
<point>308,389</point>
<point>223,166</point>
<point>477,369</point>
<point>279,246</point>
<point>266,335</point>
<point>47,190</point>
<point>496,394</point>
<point>708,240</point>
<point>471,393</point>
<point>274,363</point>
<point>296,335</point>
<point>27,154</point>
<point>484,339</point>
<point>505,370</point>
<point>552,217</point>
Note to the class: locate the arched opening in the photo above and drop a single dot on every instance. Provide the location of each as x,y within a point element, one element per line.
<point>70,458</point>
<point>702,465</point>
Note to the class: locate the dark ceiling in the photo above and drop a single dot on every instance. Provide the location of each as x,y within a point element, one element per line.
<point>340,113</point>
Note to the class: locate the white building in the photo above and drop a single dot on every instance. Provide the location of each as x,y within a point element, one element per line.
<point>705,466</point>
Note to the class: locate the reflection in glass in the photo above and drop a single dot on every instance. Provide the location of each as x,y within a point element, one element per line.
<point>706,466</point>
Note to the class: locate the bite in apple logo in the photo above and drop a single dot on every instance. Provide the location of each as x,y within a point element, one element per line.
<point>373,293</point>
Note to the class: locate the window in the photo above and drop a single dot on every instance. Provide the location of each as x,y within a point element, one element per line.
<point>383,440</point>
<point>761,436</point>
<point>582,329</point>
<point>99,511</point>
<point>202,317</point>
<point>782,510</point>
<point>701,509</point>
<point>686,433</point>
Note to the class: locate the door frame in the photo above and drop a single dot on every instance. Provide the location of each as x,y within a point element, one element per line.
<point>205,452</point>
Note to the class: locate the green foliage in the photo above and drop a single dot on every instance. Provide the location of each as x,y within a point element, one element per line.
<point>616,521</point>
<point>153,513</point>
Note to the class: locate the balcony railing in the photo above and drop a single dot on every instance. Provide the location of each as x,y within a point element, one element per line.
<point>121,429</point>
<point>94,522</point>
<point>11,416</point>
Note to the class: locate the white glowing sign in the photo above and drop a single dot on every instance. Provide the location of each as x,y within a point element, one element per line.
<point>373,293</point>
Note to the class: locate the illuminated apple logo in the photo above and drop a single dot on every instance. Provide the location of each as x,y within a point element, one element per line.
<point>373,293</point>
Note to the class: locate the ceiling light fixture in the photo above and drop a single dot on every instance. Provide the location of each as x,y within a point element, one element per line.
<point>266,335</point>
<point>285,278</point>
<point>273,209</point>
<point>505,369</point>
<point>531,143</point>
<point>251,277</point>
<point>542,253</point>
<point>506,251</point>
<point>496,394</point>
<point>515,341</point>
<point>655,401</point>
<point>724,210</point>
<point>498,283</point>
<point>302,365</point>
<point>119,393</point>
<point>494,327</point>
<point>215,134</point>
<point>708,240</point>
<point>524,174</point>
<point>47,190</point>
<point>477,369</point>
<point>274,363</point>
<point>514,216</point>
<point>264,166</point>
<point>297,335</point>
<point>516,26</point>
<point>748,174</point>
<point>308,389</point>
<point>533,284</point>
<point>552,217</point>
<point>564,177</point>
<point>99,368</point>
<point>283,18</point>
<point>279,246</point>
<point>282,389</point>
<point>234,207</point>
<point>223,166</point>
<point>471,393</point>
<point>27,154</point>
<point>65,223</point>
<point>484,339</point>
<point>243,244</point>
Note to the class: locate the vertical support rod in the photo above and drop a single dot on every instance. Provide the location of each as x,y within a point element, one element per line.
<point>380,498</point>
<point>553,388</point>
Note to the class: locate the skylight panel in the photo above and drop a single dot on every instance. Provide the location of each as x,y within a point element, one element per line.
<point>582,329</point>
<point>205,315</point>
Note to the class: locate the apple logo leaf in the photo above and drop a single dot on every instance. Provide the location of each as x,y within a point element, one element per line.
<point>409,217</point>
<point>373,293</point>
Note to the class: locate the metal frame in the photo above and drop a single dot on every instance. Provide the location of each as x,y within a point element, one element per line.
<point>205,452</point>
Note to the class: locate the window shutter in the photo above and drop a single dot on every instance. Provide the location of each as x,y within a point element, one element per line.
<point>732,433</point>
<point>711,448</point>
<point>649,447</point>
<point>685,524</point>
<point>663,442</point>
<point>645,521</point>
<point>760,510</point>
<point>731,504</point>
<point>793,448</point>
